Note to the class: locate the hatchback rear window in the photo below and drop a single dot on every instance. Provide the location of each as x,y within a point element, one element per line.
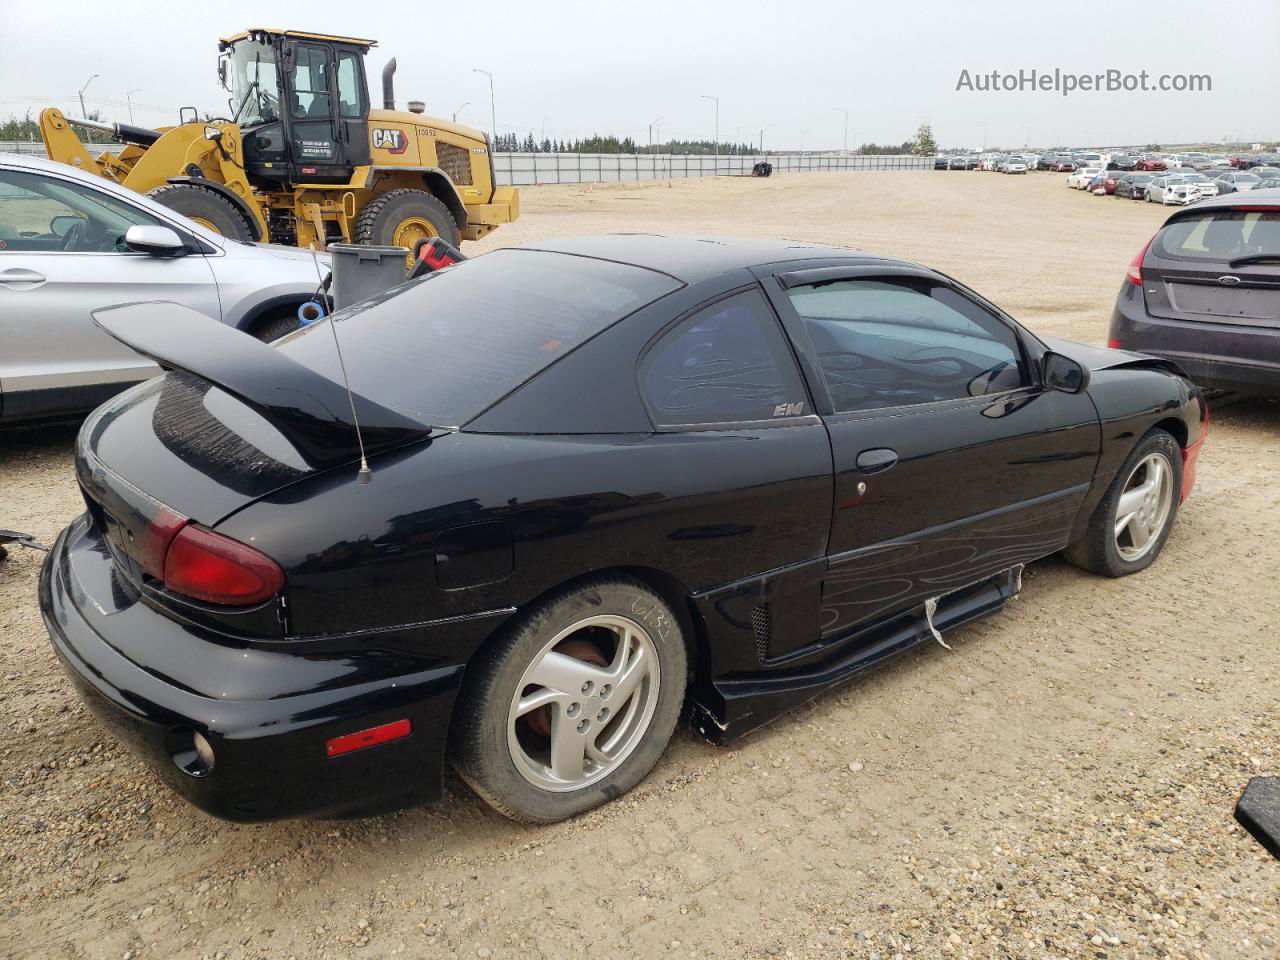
<point>444,348</point>
<point>1220,236</point>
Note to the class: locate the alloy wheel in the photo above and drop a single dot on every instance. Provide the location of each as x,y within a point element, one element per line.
<point>1144,507</point>
<point>584,704</point>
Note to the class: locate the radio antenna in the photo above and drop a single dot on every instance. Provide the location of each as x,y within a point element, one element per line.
<point>364,473</point>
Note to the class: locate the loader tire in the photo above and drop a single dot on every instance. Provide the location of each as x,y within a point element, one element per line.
<point>402,218</point>
<point>206,207</point>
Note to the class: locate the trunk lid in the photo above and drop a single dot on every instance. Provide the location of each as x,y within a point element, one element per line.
<point>1218,264</point>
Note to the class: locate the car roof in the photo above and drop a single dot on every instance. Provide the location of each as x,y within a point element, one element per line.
<point>693,259</point>
<point>22,161</point>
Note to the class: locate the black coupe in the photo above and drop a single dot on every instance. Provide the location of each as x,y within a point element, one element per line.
<point>608,480</point>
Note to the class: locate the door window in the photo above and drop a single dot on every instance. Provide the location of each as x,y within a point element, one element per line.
<point>51,215</point>
<point>728,363</point>
<point>311,82</point>
<point>883,343</point>
<point>349,91</point>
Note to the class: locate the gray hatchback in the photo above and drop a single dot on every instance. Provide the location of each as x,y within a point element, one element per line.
<point>1205,293</point>
<point>71,243</point>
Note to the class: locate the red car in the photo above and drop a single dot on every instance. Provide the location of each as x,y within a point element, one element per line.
<point>1240,161</point>
<point>1109,180</point>
<point>1063,166</point>
<point>1151,163</point>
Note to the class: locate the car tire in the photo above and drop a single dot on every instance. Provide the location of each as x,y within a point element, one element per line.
<point>401,218</point>
<point>206,207</point>
<point>504,751</point>
<point>1105,550</point>
<point>276,326</point>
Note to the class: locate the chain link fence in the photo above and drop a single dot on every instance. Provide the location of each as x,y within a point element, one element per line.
<point>526,169</point>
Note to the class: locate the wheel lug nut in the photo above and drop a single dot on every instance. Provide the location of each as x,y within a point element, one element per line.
<point>603,715</point>
<point>573,709</point>
<point>584,726</point>
<point>587,688</point>
<point>606,690</point>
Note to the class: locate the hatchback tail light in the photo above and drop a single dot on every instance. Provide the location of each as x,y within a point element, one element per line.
<point>214,568</point>
<point>1134,274</point>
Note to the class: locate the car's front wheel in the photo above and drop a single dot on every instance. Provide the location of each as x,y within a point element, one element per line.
<point>573,705</point>
<point>1129,527</point>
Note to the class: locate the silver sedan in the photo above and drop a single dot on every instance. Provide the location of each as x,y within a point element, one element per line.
<point>71,243</point>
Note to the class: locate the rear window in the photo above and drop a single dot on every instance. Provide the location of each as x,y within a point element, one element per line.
<point>1221,236</point>
<point>444,348</point>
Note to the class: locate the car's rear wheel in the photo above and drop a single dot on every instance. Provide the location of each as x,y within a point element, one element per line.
<point>1130,526</point>
<point>574,705</point>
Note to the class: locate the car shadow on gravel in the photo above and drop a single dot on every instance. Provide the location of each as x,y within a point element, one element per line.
<point>41,439</point>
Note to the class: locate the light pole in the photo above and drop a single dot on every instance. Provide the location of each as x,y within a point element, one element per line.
<point>762,130</point>
<point>459,110</point>
<point>652,124</point>
<point>984,135</point>
<point>493,115</point>
<point>83,89</point>
<point>716,146</point>
<point>128,98</point>
<point>846,126</point>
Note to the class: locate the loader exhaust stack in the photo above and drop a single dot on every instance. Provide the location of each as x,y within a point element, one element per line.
<point>388,85</point>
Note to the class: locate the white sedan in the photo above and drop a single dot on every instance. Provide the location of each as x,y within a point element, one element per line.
<point>1080,179</point>
<point>1180,190</point>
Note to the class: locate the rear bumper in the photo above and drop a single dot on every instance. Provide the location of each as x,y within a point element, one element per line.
<point>270,759</point>
<point>1221,356</point>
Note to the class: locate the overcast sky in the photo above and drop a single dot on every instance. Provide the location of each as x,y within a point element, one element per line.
<point>613,68</point>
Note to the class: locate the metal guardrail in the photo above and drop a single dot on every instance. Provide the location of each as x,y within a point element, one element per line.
<point>526,169</point>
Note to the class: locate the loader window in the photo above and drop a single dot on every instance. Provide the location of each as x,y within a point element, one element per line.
<point>349,97</point>
<point>311,82</point>
<point>253,83</point>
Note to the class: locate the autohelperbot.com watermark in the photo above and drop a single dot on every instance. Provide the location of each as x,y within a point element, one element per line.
<point>1065,82</point>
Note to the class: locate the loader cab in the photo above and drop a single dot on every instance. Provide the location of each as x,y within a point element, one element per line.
<point>302,103</point>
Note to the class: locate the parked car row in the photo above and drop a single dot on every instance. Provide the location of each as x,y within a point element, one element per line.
<point>1170,188</point>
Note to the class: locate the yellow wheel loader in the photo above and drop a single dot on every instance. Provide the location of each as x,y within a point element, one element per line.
<point>303,157</point>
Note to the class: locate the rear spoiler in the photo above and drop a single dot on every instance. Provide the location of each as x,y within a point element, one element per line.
<point>312,411</point>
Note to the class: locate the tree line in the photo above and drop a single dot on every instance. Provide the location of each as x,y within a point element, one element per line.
<point>514,143</point>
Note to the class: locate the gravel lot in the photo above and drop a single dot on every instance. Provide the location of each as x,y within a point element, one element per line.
<point>1059,784</point>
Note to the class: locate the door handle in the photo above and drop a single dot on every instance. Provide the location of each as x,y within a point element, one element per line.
<point>18,278</point>
<point>876,460</point>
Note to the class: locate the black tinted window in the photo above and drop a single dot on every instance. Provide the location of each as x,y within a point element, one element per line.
<point>889,344</point>
<point>444,348</point>
<point>1221,235</point>
<point>728,363</point>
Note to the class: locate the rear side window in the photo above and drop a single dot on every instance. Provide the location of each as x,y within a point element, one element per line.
<point>1221,236</point>
<point>727,363</point>
<point>444,348</point>
<point>349,96</point>
<point>898,343</point>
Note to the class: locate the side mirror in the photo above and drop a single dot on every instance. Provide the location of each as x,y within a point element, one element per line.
<point>1063,373</point>
<point>222,71</point>
<point>60,226</point>
<point>155,240</point>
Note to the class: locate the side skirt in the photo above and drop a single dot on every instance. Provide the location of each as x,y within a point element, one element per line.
<point>750,701</point>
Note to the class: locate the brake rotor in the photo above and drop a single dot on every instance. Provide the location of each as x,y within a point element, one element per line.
<point>540,720</point>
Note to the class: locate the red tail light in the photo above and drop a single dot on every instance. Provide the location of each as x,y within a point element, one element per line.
<point>160,531</point>
<point>214,568</point>
<point>1114,344</point>
<point>1134,274</point>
